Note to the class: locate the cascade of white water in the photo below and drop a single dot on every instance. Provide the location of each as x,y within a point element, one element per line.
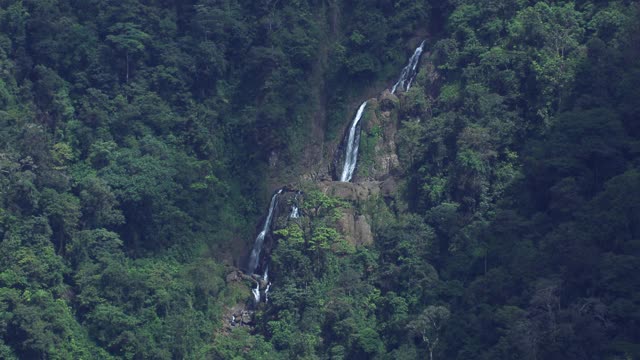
<point>257,245</point>
<point>353,142</point>
<point>407,77</point>
<point>409,72</point>
<point>295,212</point>
<point>266,293</point>
<point>256,292</point>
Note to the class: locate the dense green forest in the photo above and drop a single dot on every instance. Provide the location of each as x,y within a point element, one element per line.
<point>140,139</point>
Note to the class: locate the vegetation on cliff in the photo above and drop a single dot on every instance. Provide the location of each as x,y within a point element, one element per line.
<point>135,141</point>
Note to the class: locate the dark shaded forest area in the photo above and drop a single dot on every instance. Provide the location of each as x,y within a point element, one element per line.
<point>135,147</point>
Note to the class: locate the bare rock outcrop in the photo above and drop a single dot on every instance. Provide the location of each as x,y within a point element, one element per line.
<point>362,231</point>
<point>377,154</point>
<point>355,228</point>
<point>354,192</point>
<point>388,101</point>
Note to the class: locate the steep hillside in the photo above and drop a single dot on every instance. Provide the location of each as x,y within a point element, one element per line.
<point>485,218</point>
<point>193,180</point>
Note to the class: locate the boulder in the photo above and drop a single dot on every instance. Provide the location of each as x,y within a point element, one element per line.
<point>234,276</point>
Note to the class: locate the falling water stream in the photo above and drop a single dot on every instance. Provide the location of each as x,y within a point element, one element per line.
<point>256,292</point>
<point>407,76</point>
<point>295,209</point>
<point>409,72</point>
<point>353,142</point>
<point>265,276</point>
<point>295,212</point>
<point>266,293</point>
<point>257,245</point>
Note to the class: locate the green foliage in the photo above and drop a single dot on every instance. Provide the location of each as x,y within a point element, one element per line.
<point>134,136</point>
<point>308,246</point>
<point>370,135</point>
<point>242,345</point>
<point>321,205</point>
<point>429,325</point>
<point>524,135</point>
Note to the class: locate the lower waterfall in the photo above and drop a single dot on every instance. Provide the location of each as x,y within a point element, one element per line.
<point>257,245</point>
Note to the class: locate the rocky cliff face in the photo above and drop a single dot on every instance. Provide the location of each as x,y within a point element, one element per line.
<point>355,228</point>
<point>375,175</point>
<point>376,181</point>
<point>356,223</point>
<point>377,157</point>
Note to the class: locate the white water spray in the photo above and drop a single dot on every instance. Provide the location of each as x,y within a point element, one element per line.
<point>353,142</point>
<point>407,77</point>
<point>256,292</point>
<point>409,72</point>
<point>266,293</point>
<point>295,212</point>
<point>257,245</point>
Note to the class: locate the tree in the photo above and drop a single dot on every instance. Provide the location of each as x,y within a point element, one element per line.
<point>554,32</point>
<point>128,38</point>
<point>429,326</point>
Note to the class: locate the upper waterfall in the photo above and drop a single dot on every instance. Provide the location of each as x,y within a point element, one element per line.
<point>257,245</point>
<point>409,72</point>
<point>353,143</point>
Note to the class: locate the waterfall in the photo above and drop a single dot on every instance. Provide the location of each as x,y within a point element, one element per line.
<point>257,245</point>
<point>266,293</point>
<point>295,212</point>
<point>407,77</point>
<point>409,72</point>
<point>353,142</point>
<point>256,292</point>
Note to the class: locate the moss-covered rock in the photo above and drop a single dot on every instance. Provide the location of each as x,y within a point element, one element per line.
<point>377,158</point>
